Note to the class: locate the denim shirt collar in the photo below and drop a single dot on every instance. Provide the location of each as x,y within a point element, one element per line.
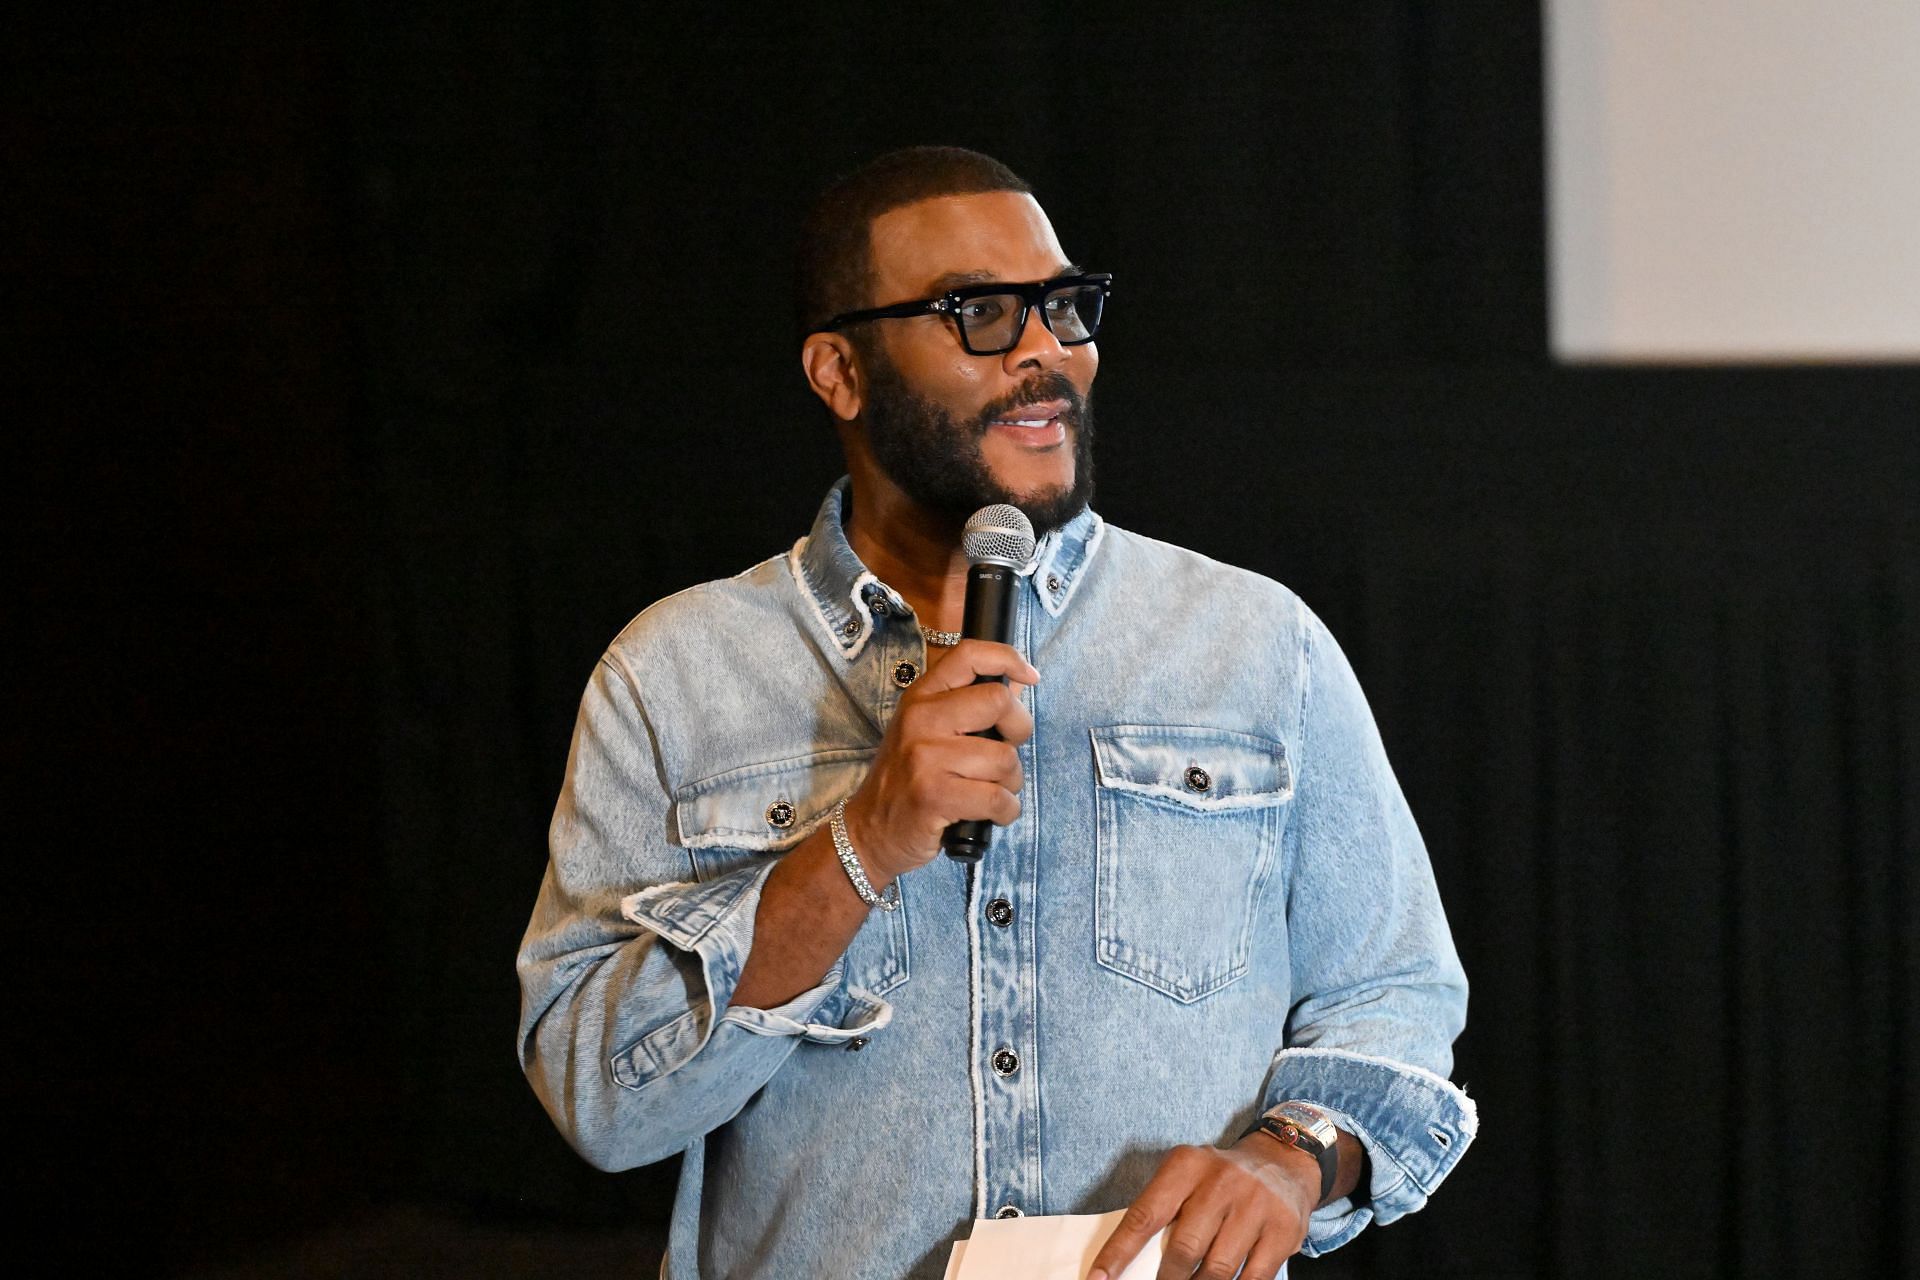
<point>844,594</point>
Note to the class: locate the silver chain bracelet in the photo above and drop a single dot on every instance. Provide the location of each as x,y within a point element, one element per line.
<point>837,827</point>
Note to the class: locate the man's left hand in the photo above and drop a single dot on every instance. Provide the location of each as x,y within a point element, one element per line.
<point>1240,1211</point>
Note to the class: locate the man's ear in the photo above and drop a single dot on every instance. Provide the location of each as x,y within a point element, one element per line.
<point>833,373</point>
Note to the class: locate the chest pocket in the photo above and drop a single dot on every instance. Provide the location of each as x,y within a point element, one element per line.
<point>737,818</point>
<point>1189,823</point>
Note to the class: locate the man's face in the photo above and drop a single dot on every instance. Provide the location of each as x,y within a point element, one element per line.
<point>958,431</point>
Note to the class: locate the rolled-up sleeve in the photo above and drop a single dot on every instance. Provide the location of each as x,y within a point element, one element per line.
<point>1379,992</point>
<point>629,963</point>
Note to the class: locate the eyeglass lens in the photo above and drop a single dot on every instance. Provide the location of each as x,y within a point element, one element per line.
<point>992,322</point>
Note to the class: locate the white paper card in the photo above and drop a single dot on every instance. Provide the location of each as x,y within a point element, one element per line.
<point>1056,1247</point>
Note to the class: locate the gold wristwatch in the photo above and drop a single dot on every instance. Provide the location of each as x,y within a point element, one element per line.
<point>1308,1128</point>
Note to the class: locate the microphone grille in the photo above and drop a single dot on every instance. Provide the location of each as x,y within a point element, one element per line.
<point>1000,534</point>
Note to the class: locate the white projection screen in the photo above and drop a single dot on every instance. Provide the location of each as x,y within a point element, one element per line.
<point>1734,180</point>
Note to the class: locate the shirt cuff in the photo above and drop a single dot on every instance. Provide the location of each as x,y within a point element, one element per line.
<point>1415,1126</point>
<point>714,920</point>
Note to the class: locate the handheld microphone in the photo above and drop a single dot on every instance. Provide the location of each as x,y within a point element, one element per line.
<point>998,541</point>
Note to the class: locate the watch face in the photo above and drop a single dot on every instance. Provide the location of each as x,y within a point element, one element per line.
<point>1317,1124</point>
<point>1312,1130</point>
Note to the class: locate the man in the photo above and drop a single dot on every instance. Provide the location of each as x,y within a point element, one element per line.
<point>1205,900</point>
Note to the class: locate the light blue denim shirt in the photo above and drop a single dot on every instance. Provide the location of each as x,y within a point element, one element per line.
<point>1214,900</point>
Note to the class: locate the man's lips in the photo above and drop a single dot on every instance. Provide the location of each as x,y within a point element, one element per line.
<point>1041,413</point>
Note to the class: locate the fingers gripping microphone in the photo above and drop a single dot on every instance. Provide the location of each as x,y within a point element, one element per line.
<point>998,541</point>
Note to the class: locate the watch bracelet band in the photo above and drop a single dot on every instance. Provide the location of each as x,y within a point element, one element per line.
<point>850,862</point>
<point>1293,1134</point>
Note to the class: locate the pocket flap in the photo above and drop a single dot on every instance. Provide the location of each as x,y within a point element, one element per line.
<point>770,806</point>
<point>1199,768</point>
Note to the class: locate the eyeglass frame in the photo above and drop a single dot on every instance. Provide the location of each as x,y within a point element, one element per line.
<point>947,304</point>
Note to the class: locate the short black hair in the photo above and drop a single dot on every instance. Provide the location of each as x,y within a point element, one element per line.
<point>835,261</point>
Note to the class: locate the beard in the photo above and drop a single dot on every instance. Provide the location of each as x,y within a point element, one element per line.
<point>936,460</point>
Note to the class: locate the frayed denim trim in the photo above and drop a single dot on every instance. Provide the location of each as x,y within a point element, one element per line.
<point>1070,574</point>
<point>848,647</point>
<point>1469,1109</point>
<point>868,1014</point>
<point>685,913</point>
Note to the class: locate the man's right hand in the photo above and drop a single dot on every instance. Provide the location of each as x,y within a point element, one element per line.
<point>930,773</point>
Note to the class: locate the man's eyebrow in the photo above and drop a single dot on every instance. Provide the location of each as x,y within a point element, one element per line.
<point>961,279</point>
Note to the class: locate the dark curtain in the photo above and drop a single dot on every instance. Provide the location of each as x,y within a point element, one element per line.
<point>1641,641</point>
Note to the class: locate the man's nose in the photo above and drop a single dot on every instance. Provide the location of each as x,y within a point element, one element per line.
<point>1037,348</point>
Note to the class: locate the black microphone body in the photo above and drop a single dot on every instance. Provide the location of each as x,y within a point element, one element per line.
<point>989,616</point>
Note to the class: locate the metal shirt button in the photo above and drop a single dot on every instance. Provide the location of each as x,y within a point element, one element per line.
<point>1197,778</point>
<point>1000,912</point>
<point>851,629</point>
<point>905,673</point>
<point>1005,1062</point>
<point>1009,1211</point>
<point>1053,582</point>
<point>780,815</point>
<point>856,1044</point>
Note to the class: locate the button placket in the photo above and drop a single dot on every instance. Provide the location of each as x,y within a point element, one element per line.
<point>1004,950</point>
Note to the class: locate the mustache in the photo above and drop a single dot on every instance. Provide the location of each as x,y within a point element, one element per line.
<point>1042,386</point>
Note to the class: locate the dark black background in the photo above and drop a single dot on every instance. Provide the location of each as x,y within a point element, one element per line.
<point>374,365</point>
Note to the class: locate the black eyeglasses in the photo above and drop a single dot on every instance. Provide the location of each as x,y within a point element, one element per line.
<point>991,317</point>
